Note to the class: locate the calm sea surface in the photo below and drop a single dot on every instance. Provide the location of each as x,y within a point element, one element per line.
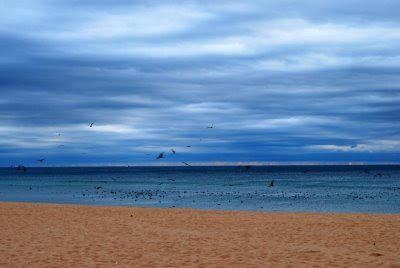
<point>296,188</point>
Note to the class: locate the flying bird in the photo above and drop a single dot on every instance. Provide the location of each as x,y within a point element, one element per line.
<point>91,124</point>
<point>40,160</point>
<point>161,155</point>
<point>212,125</point>
<point>173,151</point>
<point>271,184</point>
<point>188,146</point>
<point>186,164</point>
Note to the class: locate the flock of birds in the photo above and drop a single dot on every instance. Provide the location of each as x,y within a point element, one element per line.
<point>219,197</point>
<point>24,168</point>
<point>160,156</point>
<point>218,192</point>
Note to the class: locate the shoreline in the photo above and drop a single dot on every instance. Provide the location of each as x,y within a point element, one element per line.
<point>38,234</point>
<point>197,209</point>
<point>227,164</point>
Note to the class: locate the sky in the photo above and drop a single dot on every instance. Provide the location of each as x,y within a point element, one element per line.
<point>281,82</point>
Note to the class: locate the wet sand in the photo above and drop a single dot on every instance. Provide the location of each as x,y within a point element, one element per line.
<point>45,235</point>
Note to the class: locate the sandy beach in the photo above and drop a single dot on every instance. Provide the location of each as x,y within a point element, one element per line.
<point>44,235</point>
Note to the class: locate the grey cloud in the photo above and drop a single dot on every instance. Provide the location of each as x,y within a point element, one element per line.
<point>270,92</point>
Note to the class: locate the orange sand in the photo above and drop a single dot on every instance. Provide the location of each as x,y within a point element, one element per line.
<point>44,235</point>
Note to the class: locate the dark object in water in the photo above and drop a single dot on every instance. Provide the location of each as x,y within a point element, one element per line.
<point>21,168</point>
<point>161,155</point>
<point>271,184</point>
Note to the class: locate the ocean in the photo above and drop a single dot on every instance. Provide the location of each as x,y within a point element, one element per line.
<point>359,189</point>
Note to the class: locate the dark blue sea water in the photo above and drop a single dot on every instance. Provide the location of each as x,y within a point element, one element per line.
<point>296,188</point>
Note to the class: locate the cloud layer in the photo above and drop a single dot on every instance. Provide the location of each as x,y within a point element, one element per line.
<point>281,81</point>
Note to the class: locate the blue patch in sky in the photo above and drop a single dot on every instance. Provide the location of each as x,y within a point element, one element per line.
<point>283,82</point>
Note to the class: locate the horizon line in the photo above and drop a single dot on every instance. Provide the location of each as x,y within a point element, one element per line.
<point>216,164</point>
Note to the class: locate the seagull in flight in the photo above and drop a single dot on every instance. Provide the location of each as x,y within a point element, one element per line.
<point>91,124</point>
<point>212,125</point>
<point>186,164</point>
<point>271,184</point>
<point>173,151</point>
<point>40,160</point>
<point>161,155</point>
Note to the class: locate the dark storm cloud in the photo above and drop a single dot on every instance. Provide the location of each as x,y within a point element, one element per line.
<point>281,81</point>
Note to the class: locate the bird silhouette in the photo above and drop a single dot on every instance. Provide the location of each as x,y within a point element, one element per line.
<point>41,160</point>
<point>91,124</point>
<point>173,151</point>
<point>161,155</point>
<point>212,125</point>
<point>186,164</point>
<point>21,168</point>
<point>188,146</point>
<point>271,184</point>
